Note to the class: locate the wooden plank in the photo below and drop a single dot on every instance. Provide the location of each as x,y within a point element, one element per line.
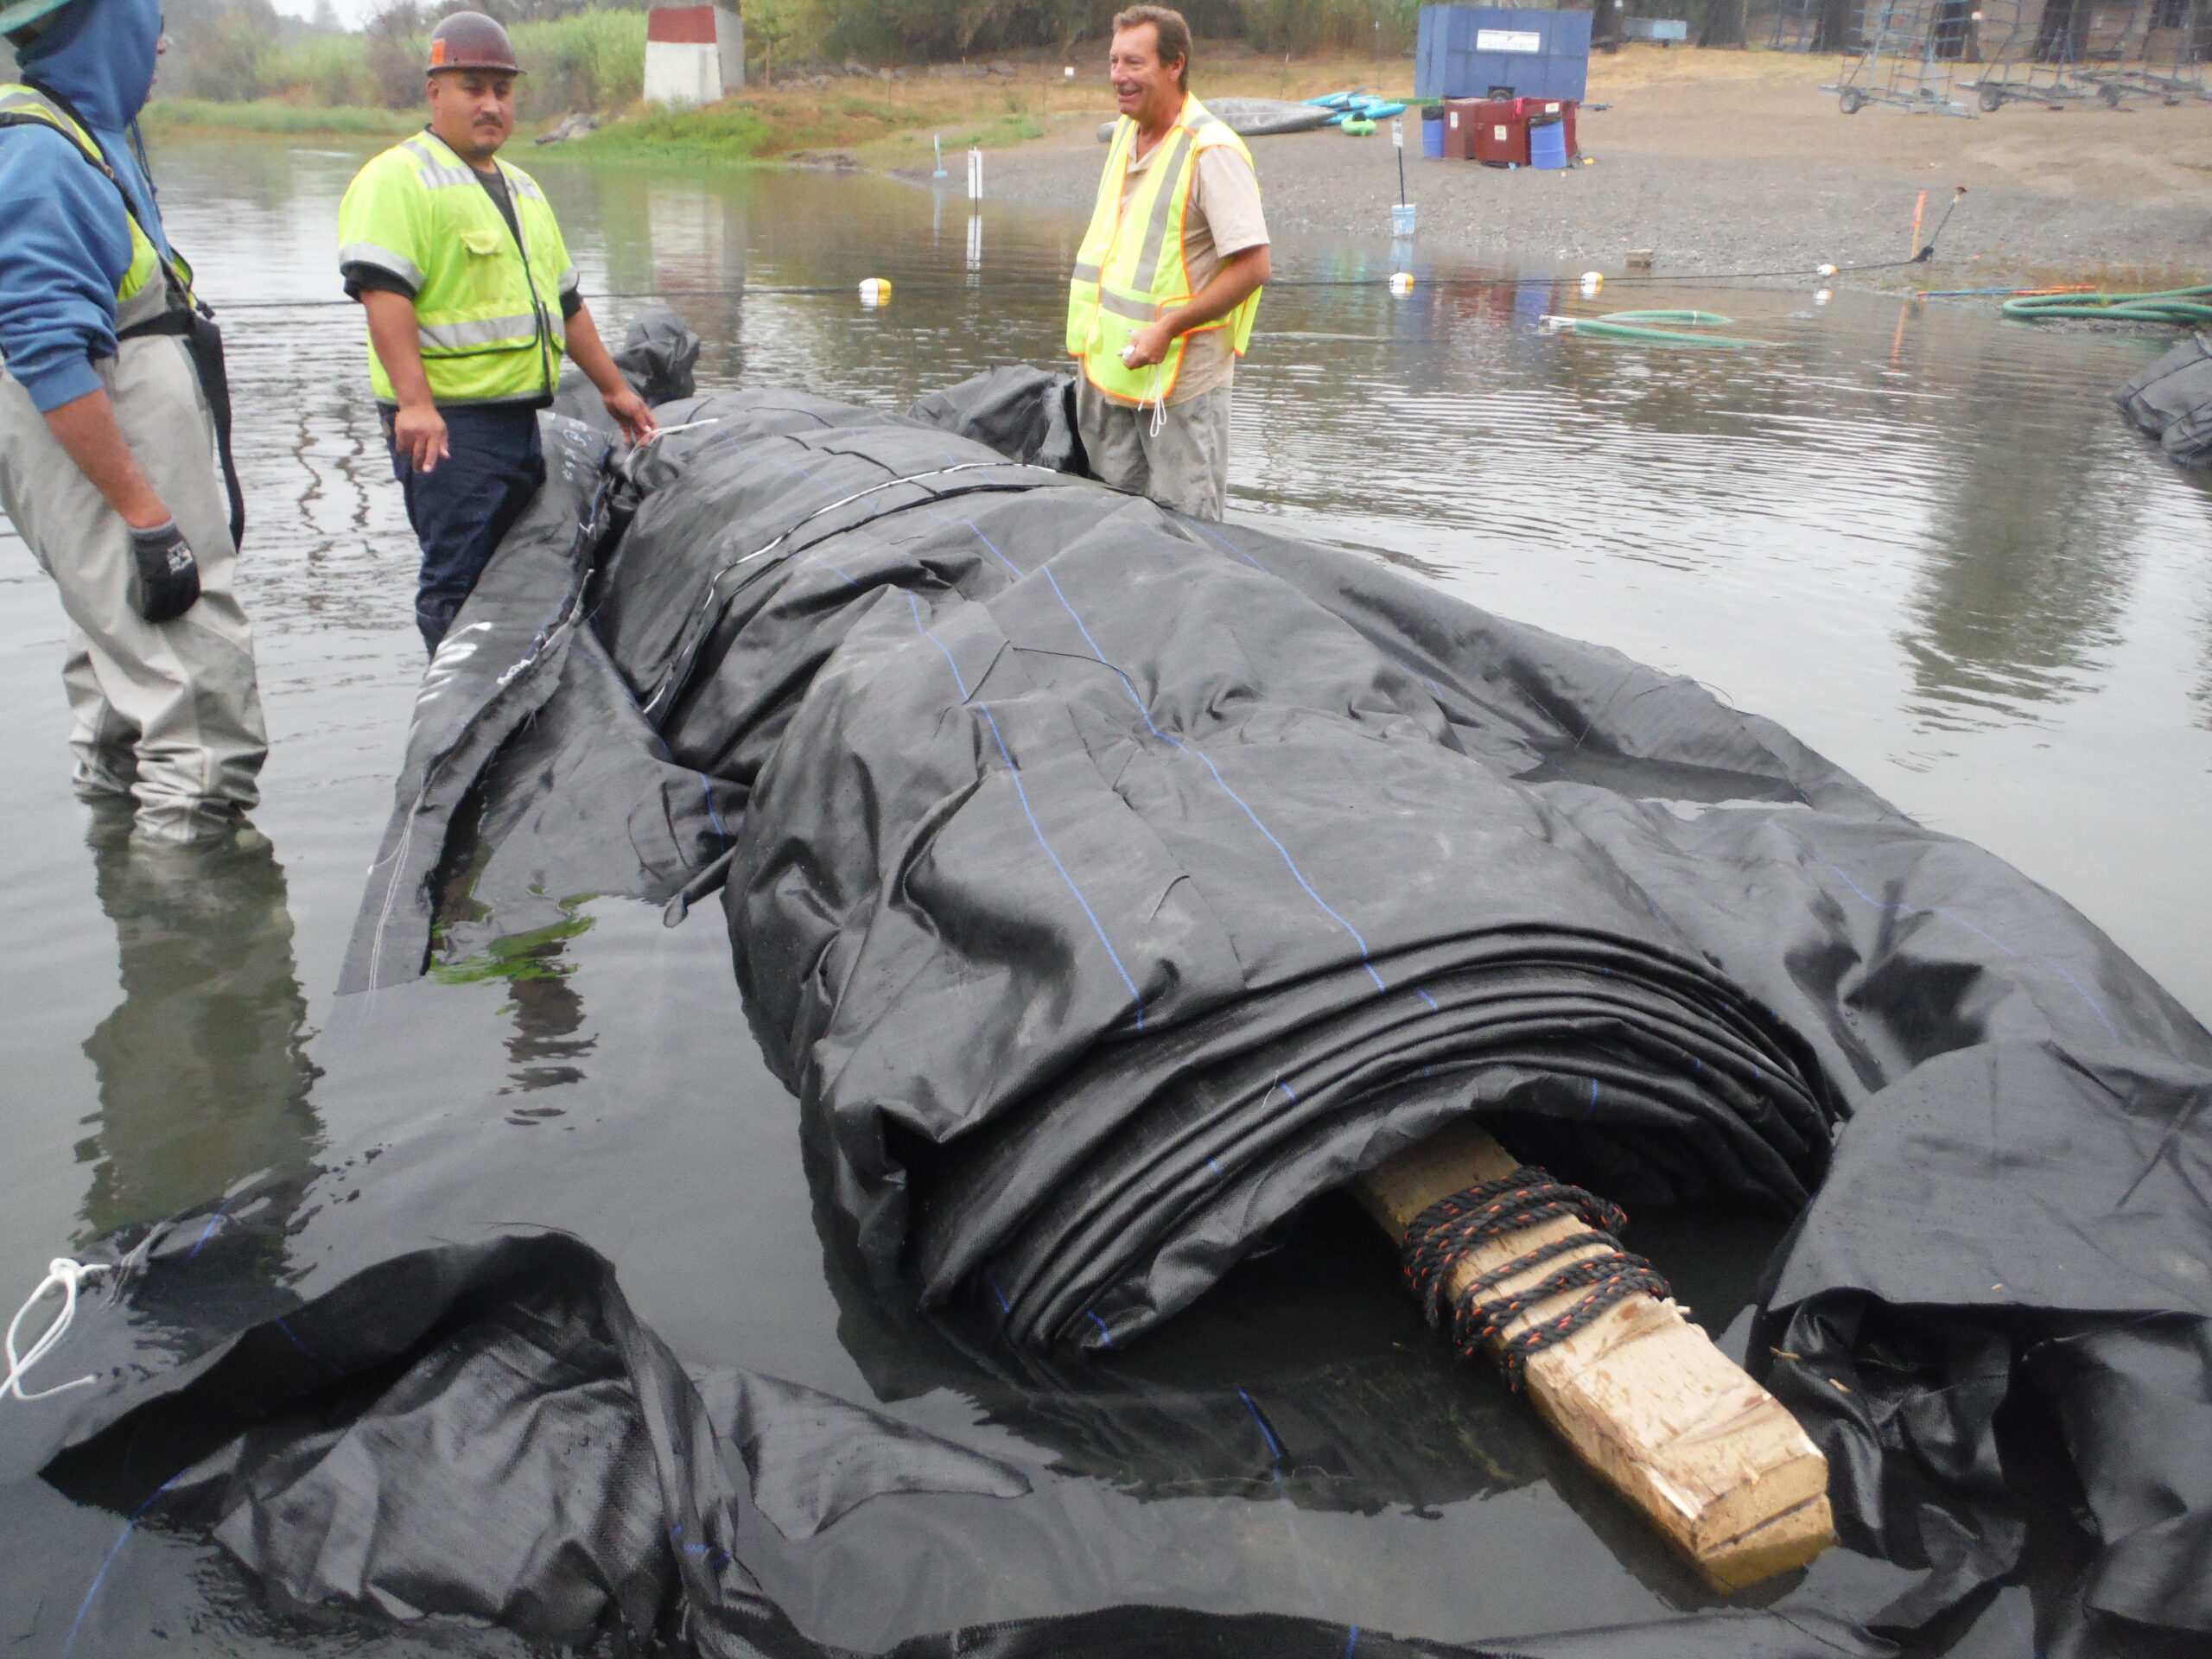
<point>1709,1456</point>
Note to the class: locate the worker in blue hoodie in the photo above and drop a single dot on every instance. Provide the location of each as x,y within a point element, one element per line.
<point>110,391</point>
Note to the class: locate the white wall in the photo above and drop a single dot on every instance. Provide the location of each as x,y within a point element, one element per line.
<point>683,75</point>
<point>686,75</point>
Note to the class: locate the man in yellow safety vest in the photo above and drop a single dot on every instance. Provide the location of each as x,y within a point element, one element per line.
<point>458,262</point>
<point>1168,282</point>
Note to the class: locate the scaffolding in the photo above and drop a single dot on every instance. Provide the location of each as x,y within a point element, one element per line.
<point>1907,62</point>
<point>2176,41</point>
<point>2075,52</point>
<point>1797,25</point>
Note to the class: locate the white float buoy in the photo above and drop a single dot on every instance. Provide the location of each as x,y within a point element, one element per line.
<point>1401,283</point>
<point>875,290</point>
<point>1068,73</point>
<point>1823,270</point>
<point>1592,282</point>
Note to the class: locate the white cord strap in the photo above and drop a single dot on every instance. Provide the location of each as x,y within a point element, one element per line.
<point>65,1274</point>
<point>1159,404</point>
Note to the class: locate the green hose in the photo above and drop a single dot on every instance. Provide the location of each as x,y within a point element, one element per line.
<point>1692,319</point>
<point>2186,307</point>
<point>1629,325</point>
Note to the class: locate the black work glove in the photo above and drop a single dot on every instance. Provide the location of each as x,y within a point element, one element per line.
<point>168,582</point>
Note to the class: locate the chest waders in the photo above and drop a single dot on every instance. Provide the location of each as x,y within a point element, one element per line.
<point>144,308</point>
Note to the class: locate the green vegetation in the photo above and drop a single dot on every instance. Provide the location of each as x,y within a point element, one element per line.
<point>587,55</point>
<point>232,54</point>
<point>725,133</point>
<point>267,115</point>
<point>534,954</point>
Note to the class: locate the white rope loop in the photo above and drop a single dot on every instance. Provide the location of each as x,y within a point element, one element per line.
<point>66,1275</point>
<point>1159,404</point>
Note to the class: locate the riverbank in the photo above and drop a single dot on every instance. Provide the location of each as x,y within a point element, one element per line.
<point>1733,161</point>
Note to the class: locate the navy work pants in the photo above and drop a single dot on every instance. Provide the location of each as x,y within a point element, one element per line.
<point>462,508</point>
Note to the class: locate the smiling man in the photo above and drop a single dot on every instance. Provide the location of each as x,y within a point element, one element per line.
<point>1168,282</point>
<point>458,262</point>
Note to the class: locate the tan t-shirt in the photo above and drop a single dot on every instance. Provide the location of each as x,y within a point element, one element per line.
<point>1224,217</point>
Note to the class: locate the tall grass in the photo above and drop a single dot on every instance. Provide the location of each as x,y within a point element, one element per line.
<point>592,61</point>
<point>1388,26</point>
<point>326,69</point>
<point>272,115</point>
<point>595,60</point>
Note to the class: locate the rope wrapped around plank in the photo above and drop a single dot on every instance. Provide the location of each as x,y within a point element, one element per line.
<point>1447,1230</point>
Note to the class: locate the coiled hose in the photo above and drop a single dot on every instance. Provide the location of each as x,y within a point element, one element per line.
<point>2186,308</point>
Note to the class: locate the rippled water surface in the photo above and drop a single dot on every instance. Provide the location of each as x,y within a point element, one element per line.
<point>1920,538</point>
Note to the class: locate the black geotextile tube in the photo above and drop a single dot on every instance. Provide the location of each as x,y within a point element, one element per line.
<point>1110,886</point>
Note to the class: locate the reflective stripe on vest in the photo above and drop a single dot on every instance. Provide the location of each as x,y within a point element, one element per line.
<point>1130,270</point>
<point>142,297</point>
<point>486,311</point>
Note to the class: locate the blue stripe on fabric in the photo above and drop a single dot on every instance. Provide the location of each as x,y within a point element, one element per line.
<point>714,817</point>
<point>221,1215</point>
<point>1275,1446</point>
<point>107,1563</point>
<point>1214,535</point>
<point>1021,794</point>
<point>920,627</point>
<point>1206,760</point>
<point>2052,962</point>
<point>1103,1330</point>
<point>1098,927</point>
<point>2081,991</point>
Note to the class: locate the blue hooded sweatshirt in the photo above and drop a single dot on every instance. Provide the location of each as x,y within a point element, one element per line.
<point>68,238</point>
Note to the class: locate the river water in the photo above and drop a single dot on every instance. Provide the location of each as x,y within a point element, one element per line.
<point>1920,538</point>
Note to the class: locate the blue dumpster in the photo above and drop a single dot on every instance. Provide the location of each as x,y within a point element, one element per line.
<point>1501,51</point>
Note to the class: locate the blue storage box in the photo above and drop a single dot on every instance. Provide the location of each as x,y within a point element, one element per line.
<point>1468,51</point>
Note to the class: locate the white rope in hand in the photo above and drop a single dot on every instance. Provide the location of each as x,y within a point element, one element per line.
<point>66,1275</point>
<point>1158,402</point>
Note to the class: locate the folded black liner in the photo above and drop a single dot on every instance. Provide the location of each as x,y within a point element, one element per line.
<point>1110,888</point>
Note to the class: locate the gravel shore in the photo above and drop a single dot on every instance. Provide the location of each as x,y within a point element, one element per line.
<point>1740,162</point>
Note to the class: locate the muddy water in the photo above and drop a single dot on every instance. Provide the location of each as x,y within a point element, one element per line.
<point>1918,537</point>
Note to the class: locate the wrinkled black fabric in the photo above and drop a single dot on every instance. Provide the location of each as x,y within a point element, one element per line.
<point>1016,410</point>
<point>487,1432</point>
<point>2171,401</point>
<point>1108,887</point>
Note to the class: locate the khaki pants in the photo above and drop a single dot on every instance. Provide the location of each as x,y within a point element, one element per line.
<point>170,713</point>
<point>1183,466</point>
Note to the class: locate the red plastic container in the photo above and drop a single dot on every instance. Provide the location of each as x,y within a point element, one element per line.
<point>1459,122</point>
<point>1498,128</point>
<point>1500,133</point>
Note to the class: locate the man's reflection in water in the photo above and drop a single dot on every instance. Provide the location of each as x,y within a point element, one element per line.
<point>203,1079</point>
<point>547,1013</point>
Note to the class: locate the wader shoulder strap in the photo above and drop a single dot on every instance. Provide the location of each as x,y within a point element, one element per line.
<point>188,317</point>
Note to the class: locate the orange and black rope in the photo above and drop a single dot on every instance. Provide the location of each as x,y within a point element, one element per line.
<point>1442,1234</point>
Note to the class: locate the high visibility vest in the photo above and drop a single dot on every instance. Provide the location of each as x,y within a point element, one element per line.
<point>486,311</point>
<point>142,298</point>
<point>1131,271</point>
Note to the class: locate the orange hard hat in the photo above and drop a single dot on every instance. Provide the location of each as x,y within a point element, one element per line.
<point>469,40</point>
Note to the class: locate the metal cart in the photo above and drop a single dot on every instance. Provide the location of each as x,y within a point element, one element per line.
<point>1911,46</point>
